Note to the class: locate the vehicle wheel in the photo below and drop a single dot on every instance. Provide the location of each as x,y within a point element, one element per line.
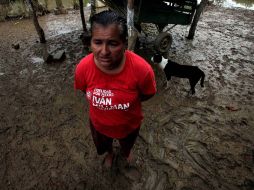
<point>163,42</point>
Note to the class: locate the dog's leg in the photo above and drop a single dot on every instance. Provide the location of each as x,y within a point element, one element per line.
<point>193,90</point>
<point>193,83</point>
<point>202,79</point>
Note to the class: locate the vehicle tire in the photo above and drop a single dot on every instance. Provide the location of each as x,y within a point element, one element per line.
<point>163,42</point>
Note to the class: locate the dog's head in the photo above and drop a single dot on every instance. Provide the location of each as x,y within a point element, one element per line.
<point>159,60</point>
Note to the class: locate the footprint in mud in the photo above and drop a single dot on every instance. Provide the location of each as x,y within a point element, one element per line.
<point>232,69</point>
<point>157,180</point>
<point>225,58</point>
<point>131,173</point>
<point>128,170</point>
<point>233,51</point>
<point>81,185</point>
<point>248,156</point>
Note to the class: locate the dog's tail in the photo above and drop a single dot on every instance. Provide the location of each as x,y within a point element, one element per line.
<point>202,79</point>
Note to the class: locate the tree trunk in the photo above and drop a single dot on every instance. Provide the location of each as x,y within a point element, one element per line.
<point>132,33</point>
<point>24,7</point>
<point>3,9</point>
<point>82,15</point>
<point>59,4</point>
<point>93,7</point>
<point>199,10</point>
<point>46,5</point>
<point>75,4</point>
<point>38,28</point>
<point>35,4</point>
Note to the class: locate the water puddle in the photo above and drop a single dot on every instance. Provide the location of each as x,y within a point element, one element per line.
<point>37,60</point>
<point>246,4</point>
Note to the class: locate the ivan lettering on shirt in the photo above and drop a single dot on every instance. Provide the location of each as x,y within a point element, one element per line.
<point>102,99</point>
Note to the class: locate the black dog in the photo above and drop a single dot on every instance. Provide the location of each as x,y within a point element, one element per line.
<point>193,73</point>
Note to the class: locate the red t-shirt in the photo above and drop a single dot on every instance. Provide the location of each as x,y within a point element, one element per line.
<point>114,99</point>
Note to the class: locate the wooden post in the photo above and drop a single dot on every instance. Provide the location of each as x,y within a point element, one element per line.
<point>46,5</point>
<point>23,4</point>
<point>81,8</point>
<point>132,33</point>
<point>76,5</point>
<point>130,4</point>
<point>3,9</point>
<point>59,4</point>
<point>196,18</point>
<point>60,8</point>
<point>93,7</point>
<point>38,28</point>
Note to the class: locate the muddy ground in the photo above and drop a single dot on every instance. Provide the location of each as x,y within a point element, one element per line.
<point>205,141</point>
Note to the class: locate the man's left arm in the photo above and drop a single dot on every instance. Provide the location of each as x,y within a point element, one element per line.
<point>145,97</point>
<point>148,86</point>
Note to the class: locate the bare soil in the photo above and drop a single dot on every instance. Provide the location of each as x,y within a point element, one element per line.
<point>186,142</point>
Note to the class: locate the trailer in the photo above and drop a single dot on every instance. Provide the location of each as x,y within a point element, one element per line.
<point>158,12</point>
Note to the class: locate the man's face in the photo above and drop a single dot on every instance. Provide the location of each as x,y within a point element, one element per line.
<point>107,46</point>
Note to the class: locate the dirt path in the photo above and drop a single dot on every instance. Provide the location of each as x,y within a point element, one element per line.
<point>200,142</point>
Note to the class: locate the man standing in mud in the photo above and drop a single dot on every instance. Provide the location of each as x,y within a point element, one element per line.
<point>115,82</point>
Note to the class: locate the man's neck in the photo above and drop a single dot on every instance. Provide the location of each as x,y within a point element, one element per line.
<point>114,69</point>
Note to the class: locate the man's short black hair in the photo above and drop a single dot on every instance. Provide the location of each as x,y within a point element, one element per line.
<point>108,17</point>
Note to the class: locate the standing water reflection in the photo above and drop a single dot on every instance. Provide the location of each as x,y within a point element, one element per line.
<point>248,4</point>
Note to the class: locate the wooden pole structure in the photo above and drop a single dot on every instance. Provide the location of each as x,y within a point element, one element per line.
<point>81,8</point>
<point>59,4</point>
<point>199,10</point>
<point>132,33</point>
<point>38,28</point>
<point>93,7</point>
